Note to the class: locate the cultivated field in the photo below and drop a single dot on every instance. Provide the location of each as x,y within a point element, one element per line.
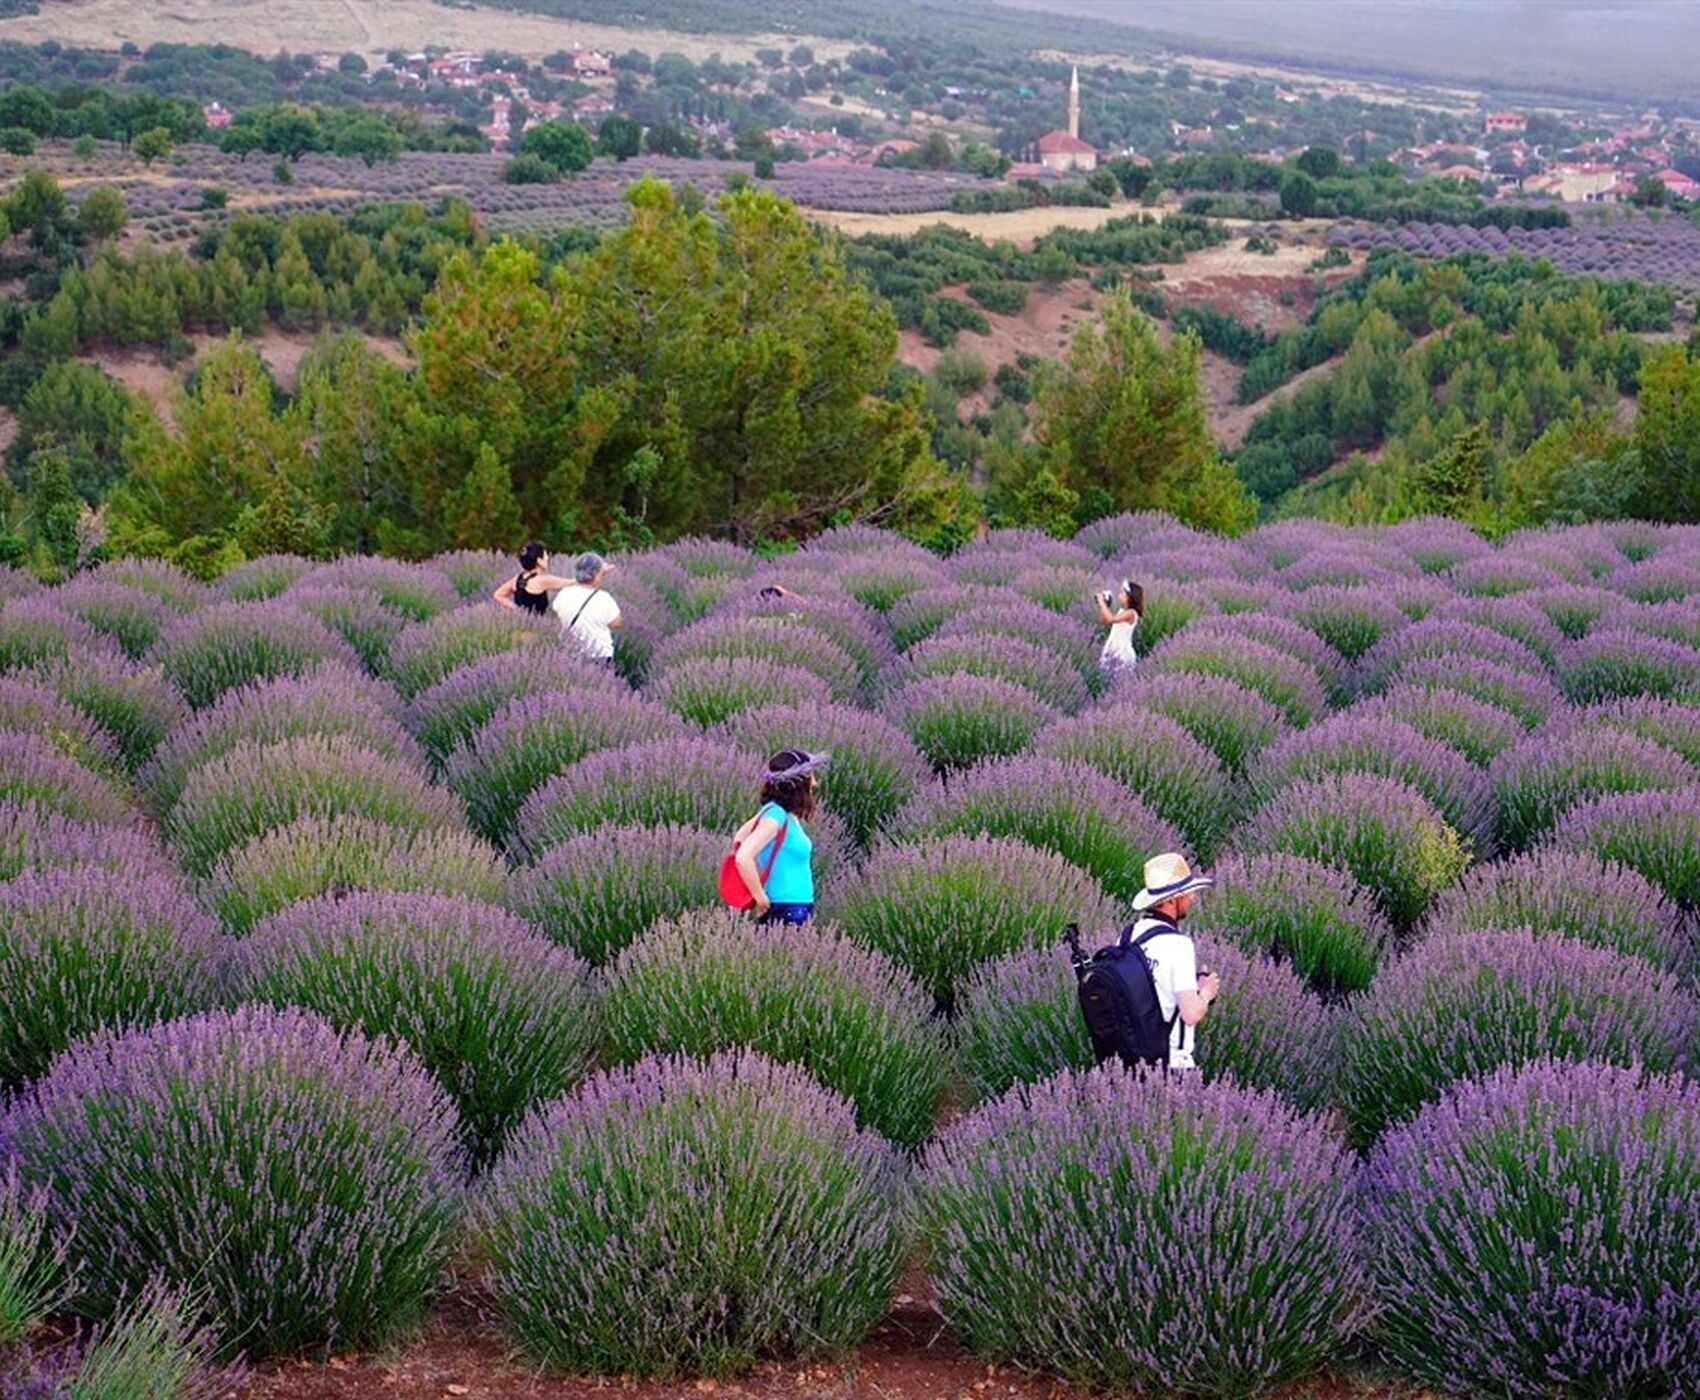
<point>369,27</point>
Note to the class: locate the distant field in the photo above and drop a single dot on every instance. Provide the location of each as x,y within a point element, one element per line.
<point>363,26</point>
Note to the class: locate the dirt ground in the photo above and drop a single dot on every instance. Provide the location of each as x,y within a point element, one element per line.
<point>364,26</point>
<point>1020,226</point>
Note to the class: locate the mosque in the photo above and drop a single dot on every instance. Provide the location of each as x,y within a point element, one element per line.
<point>1063,151</point>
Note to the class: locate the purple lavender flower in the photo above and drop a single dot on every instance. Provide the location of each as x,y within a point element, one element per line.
<point>1475,728</point>
<point>1449,641</point>
<point>1350,619</point>
<point>1615,663</point>
<point>1500,575</point>
<point>131,617</point>
<point>34,630</point>
<point>1655,833</point>
<point>1283,680</point>
<point>414,592</point>
<point>261,579</point>
<point>1232,720</point>
<point>1435,543</point>
<point>304,1181</point>
<point>1050,677</point>
<point>1531,697</point>
<point>1513,617</point>
<point>1284,635</point>
<point>136,706</point>
<point>426,652</point>
<point>27,706</point>
<point>36,837</point>
<point>1535,783</point>
<point>231,644</point>
<point>956,720</point>
<point>792,642</point>
<point>33,770</point>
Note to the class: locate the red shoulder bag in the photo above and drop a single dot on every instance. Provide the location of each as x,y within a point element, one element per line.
<point>732,887</point>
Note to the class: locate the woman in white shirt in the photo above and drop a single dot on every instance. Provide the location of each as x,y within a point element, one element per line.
<point>588,614</point>
<point>1120,612</point>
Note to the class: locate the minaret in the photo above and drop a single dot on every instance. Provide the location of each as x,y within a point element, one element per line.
<point>1074,104</point>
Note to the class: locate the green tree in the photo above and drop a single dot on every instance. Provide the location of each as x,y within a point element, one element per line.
<point>370,137</point>
<point>1451,481</point>
<point>667,139</point>
<point>102,214</point>
<point>620,137</point>
<point>53,507</point>
<point>38,204</point>
<point>564,145</point>
<point>1320,162</point>
<point>1298,195</point>
<point>1667,435</point>
<point>1122,420</point>
<point>290,131</point>
<point>152,144</point>
<point>529,169</point>
<point>935,152</point>
<point>1650,193</point>
<point>84,411</point>
<point>480,507</point>
<point>17,141</point>
<point>30,108</point>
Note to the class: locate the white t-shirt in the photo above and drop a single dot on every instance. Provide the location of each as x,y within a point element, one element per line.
<point>1174,968</point>
<point>1118,646</point>
<point>591,631</point>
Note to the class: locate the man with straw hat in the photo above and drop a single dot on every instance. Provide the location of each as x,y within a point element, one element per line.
<point>1183,991</point>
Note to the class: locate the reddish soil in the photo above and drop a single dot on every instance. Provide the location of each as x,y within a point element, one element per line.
<point>909,1356</point>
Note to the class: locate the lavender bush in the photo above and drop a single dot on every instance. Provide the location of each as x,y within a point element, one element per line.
<point>1528,697</point>
<point>413,592</point>
<point>1455,644</point>
<point>178,590</point>
<point>957,720</point>
<point>782,640</point>
<point>29,707</point>
<point>1063,1222</point>
<point>35,837</point>
<point>1461,1005</point>
<point>136,707</point>
<point>713,981</point>
<point>532,739</point>
<point>1668,722</point>
<point>1155,759</point>
<point>474,573</point>
<point>1535,1234</point>
<point>1436,543</point>
<point>1281,634</point>
<point>37,630</point>
<point>828,610</point>
<point>257,788</point>
<point>304,1181</point>
<point>682,1216</point>
<point>1386,835</point>
<point>1576,610</point>
<point>1614,663</point>
<point>332,855</point>
<point>131,617</point>
<point>919,615</point>
<point>1230,719</point>
<point>1478,730</point>
<point>1350,619</point>
<point>33,1284</point>
<point>1655,833</point>
<point>1064,637</point>
<point>426,652</point>
<point>232,644</point>
<point>1302,912</point>
<point>256,580</point>
<point>708,689</point>
<point>1284,681</point>
<point>875,768</point>
<point>1500,576</point>
<point>1091,821</point>
<point>32,770</point>
<point>1047,676</point>
<point>1541,779</point>
<point>500,1016</point>
<point>369,628</point>
<point>87,948</point>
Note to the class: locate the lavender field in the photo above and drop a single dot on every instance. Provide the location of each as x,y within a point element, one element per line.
<point>359,940</point>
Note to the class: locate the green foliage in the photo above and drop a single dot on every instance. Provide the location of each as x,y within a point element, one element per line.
<point>33,1282</point>
<point>1667,435</point>
<point>152,144</point>
<point>102,215</point>
<point>563,144</point>
<point>528,168</point>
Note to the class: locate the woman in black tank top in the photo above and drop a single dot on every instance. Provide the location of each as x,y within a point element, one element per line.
<point>529,589</point>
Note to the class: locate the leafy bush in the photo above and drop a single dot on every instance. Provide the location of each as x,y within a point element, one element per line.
<point>1526,1234</point>
<point>1541,779</point>
<point>957,720</point>
<point>712,981</point>
<point>1283,680</point>
<point>1384,834</point>
<point>693,782</point>
<point>708,689</point>
<point>1105,1178</point>
<point>1091,821</point>
<point>595,892</point>
<point>1615,663</point>
<point>1155,759</point>
<point>1298,911</point>
<point>426,652</point>
<point>86,948</point>
<point>234,644</point>
<point>302,1180</point>
<point>474,573</point>
<point>499,1016</point>
<point>1655,833</point>
<point>1232,720</point>
<point>534,738</point>
<point>256,788</point>
<point>1461,1005</point>
<point>680,1217</point>
<point>335,854</point>
<point>940,908</point>
<point>874,771</point>
<point>325,699</point>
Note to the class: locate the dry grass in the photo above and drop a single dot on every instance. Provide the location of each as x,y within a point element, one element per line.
<point>363,26</point>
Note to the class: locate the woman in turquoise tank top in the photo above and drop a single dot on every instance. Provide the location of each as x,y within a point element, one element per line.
<point>774,850</point>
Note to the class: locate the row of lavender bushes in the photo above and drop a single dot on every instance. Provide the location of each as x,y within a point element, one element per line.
<point>371,878</point>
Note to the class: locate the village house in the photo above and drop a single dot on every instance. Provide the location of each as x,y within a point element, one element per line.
<point>1505,123</point>
<point>596,105</point>
<point>590,63</point>
<point>216,116</point>
<point>1678,184</point>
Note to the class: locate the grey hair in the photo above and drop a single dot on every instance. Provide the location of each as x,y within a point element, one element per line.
<point>587,566</point>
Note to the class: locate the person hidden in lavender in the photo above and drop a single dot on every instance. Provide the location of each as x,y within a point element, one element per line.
<point>1184,990</point>
<point>1119,610</point>
<point>529,589</point>
<point>773,850</point>
<point>589,615</point>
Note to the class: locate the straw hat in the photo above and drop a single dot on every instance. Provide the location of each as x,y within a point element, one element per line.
<point>1166,877</point>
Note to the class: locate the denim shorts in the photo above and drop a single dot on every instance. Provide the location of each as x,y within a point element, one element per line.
<point>787,914</point>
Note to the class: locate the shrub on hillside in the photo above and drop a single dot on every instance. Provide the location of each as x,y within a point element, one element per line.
<point>712,981</point>
<point>1541,779</point>
<point>335,854</point>
<point>957,720</point>
<point>1655,833</point>
<point>1529,1234</point>
<point>1283,680</point>
<point>532,739</point>
<point>256,788</point>
<point>1386,835</point>
<point>1461,1005</point>
<point>874,769</point>
<point>84,948</point>
<point>302,1181</point>
<point>326,699</point>
<point>501,1017</point>
<point>1091,821</point>
<point>1299,911</point>
<point>681,1217</point>
<point>941,907</point>
<point>1230,719</point>
<point>1064,1227</point>
<point>425,652</point>
<point>1155,759</point>
<point>596,891</point>
<point>233,644</point>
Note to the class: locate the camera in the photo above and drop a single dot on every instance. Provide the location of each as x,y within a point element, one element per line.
<point>769,592</point>
<point>1109,598</point>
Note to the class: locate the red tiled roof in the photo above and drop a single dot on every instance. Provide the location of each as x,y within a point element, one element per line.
<point>1054,143</point>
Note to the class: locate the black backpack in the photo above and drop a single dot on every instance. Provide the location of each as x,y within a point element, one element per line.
<point>1118,998</point>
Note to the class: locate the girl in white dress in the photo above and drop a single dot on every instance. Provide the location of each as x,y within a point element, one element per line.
<point>1120,612</point>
